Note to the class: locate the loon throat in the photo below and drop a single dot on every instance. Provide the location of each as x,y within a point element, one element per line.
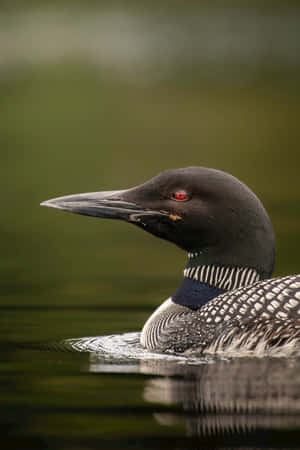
<point>202,283</point>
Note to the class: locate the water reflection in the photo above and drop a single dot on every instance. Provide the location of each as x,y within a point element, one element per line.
<point>228,396</point>
<point>210,396</point>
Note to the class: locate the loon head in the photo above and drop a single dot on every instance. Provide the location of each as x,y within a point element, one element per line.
<point>203,211</point>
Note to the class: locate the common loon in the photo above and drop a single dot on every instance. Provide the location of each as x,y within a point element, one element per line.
<point>226,301</point>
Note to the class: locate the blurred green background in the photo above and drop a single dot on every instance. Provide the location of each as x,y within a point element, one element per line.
<point>98,95</point>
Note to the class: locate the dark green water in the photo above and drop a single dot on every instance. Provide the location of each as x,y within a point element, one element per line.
<point>100,96</point>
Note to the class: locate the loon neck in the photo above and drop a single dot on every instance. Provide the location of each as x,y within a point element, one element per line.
<point>222,277</point>
<point>204,282</point>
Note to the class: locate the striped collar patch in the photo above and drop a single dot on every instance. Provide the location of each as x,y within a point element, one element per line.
<point>222,277</point>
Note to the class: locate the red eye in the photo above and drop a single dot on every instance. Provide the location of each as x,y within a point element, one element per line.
<point>180,195</point>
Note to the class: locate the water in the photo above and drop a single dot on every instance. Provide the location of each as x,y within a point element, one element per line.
<point>103,97</point>
<point>107,392</point>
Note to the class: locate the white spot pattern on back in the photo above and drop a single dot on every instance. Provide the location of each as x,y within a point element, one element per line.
<point>257,318</point>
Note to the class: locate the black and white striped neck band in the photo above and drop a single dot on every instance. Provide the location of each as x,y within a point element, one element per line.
<point>226,278</point>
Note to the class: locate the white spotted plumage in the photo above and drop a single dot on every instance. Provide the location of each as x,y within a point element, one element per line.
<point>242,322</point>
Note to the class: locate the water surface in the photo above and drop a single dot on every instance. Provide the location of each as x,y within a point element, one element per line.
<point>107,392</point>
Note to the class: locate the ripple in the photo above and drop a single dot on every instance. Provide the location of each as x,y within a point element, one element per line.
<point>120,346</point>
<point>121,350</point>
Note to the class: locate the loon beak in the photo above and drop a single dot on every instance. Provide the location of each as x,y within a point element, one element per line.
<point>107,204</point>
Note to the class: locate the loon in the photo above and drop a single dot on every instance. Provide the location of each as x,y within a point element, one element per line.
<point>227,300</point>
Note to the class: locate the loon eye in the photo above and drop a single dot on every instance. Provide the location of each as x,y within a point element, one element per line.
<point>180,195</point>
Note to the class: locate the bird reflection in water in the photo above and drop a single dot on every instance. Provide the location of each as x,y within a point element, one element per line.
<point>230,395</point>
<point>243,395</point>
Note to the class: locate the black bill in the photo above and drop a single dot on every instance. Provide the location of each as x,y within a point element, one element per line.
<point>107,204</point>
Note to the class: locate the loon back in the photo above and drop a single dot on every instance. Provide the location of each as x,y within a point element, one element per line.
<point>261,319</point>
<point>224,303</point>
